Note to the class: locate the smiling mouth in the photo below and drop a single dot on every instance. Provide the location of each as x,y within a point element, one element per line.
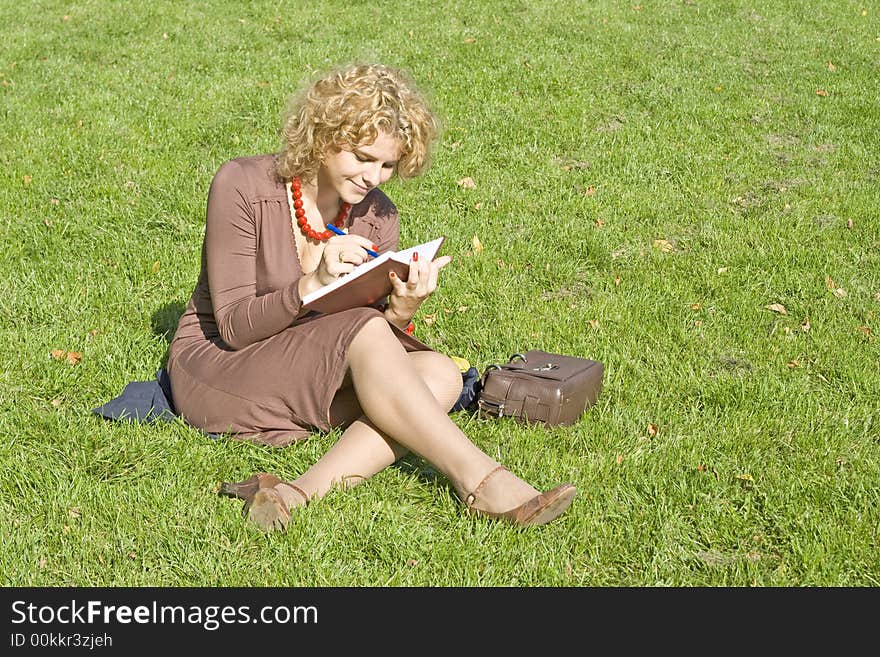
<point>360,188</point>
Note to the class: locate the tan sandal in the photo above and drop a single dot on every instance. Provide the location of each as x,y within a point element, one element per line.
<point>245,489</point>
<point>539,510</point>
<point>263,503</point>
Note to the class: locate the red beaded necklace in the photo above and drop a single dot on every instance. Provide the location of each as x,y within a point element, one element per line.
<point>303,223</point>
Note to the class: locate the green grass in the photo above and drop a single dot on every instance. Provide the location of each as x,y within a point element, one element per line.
<point>591,130</point>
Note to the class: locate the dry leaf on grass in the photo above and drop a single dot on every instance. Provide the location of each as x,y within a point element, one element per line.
<point>477,245</point>
<point>466,182</point>
<point>652,430</point>
<point>71,357</point>
<point>839,292</point>
<point>777,308</point>
<point>663,245</point>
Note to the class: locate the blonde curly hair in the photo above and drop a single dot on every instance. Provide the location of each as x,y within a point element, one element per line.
<point>346,109</point>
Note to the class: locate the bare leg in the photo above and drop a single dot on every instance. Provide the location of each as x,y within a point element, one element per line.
<point>400,412</point>
<point>400,405</point>
<point>363,450</point>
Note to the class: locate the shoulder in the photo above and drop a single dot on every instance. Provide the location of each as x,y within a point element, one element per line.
<point>252,175</point>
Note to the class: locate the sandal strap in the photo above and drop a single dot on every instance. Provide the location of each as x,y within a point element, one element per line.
<point>345,479</point>
<point>472,497</point>
<point>296,488</point>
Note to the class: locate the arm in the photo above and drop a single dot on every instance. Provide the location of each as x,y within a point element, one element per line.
<point>243,318</point>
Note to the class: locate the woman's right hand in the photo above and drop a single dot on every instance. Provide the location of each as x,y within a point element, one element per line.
<point>342,253</point>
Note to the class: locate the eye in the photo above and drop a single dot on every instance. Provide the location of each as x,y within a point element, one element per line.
<point>361,158</point>
<point>389,165</point>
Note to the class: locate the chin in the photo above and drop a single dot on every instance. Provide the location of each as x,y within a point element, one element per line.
<point>355,197</point>
<point>356,190</point>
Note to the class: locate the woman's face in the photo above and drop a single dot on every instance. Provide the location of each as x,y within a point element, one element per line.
<point>353,173</point>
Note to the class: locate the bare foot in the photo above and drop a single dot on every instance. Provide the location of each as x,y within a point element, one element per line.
<point>292,494</point>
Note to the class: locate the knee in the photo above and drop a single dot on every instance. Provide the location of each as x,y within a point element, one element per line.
<point>375,329</point>
<point>451,372</point>
<point>445,380</point>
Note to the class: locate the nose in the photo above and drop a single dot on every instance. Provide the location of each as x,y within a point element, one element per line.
<point>372,174</point>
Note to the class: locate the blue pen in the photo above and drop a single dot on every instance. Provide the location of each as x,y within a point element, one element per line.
<point>334,229</point>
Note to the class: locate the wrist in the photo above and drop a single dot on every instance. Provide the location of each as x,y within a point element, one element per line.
<point>308,283</point>
<point>393,317</point>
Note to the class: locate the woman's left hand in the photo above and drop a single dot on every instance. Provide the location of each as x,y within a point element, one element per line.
<point>406,297</point>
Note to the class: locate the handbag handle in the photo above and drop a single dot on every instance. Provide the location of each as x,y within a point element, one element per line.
<point>518,357</point>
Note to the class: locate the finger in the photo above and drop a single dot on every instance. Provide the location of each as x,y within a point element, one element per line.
<point>335,262</point>
<point>424,276</point>
<point>359,240</point>
<point>442,261</point>
<point>351,254</point>
<point>338,261</point>
<point>436,266</point>
<point>412,281</point>
<point>356,257</point>
<point>398,287</point>
<point>432,277</point>
<point>354,243</point>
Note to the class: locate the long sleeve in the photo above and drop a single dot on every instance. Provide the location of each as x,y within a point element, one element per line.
<point>231,244</point>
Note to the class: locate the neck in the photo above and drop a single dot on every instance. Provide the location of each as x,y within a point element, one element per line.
<point>324,196</point>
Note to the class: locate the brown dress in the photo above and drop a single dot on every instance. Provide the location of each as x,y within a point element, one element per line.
<point>241,360</point>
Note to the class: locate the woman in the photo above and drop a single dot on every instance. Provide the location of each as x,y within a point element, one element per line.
<point>246,359</point>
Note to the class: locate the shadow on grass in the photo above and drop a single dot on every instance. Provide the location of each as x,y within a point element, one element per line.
<point>164,323</point>
<point>424,471</point>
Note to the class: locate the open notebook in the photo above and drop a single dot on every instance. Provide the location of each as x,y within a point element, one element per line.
<point>368,283</point>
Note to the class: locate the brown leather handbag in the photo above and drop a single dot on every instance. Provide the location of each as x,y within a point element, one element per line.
<point>539,386</point>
